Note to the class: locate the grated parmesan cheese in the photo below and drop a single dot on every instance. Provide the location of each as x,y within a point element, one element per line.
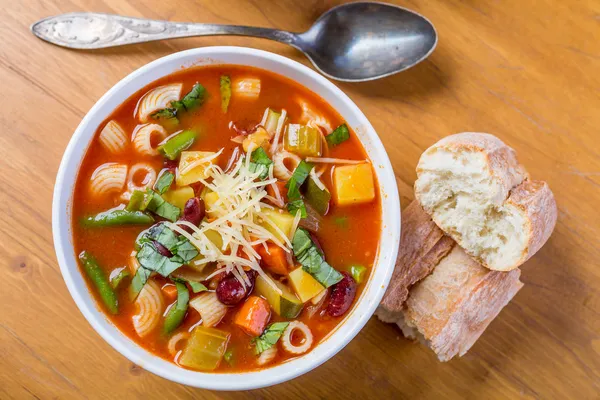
<point>238,214</point>
<point>328,160</point>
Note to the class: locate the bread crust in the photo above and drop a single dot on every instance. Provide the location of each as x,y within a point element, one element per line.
<point>502,161</point>
<point>453,306</point>
<point>536,200</point>
<point>423,245</point>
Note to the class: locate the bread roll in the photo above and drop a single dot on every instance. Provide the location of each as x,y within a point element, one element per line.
<point>450,309</point>
<point>476,191</point>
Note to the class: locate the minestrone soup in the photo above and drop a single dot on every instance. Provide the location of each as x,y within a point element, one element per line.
<point>226,218</point>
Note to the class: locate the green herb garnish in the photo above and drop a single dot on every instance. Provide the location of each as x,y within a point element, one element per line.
<point>260,161</point>
<point>339,135</point>
<point>192,100</point>
<point>162,208</point>
<point>164,182</point>
<point>295,205</point>
<point>298,177</point>
<point>312,260</point>
<point>269,337</point>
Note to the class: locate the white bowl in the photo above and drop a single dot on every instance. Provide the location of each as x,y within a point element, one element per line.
<point>354,320</point>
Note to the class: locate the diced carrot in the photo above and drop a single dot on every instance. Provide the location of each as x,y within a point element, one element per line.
<point>275,259</point>
<point>253,316</point>
<point>170,292</point>
<point>282,190</point>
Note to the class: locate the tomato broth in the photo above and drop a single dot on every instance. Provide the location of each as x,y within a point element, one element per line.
<point>346,238</point>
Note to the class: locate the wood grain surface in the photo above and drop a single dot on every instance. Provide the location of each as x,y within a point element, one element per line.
<point>527,71</point>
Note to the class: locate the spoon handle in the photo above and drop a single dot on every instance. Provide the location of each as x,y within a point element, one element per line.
<point>84,30</point>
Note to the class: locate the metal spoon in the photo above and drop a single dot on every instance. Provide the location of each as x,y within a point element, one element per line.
<point>353,42</point>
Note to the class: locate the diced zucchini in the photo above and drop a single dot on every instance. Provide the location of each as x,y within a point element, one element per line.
<point>204,349</point>
<point>358,273</point>
<point>282,219</point>
<point>196,173</point>
<point>286,305</point>
<point>178,197</point>
<point>353,184</point>
<point>317,198</point>
<point>303,140</point>
<point>304,284</point>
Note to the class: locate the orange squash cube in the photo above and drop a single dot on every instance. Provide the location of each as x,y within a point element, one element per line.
<point>353,184</point>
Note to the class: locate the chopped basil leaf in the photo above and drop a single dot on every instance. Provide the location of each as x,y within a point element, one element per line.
<point>164,182</point>
<point>339,135</point>
<point>163,235</point>
<point>139,280</point>
<point>185,250</point>
<point>298,177</point>
<point>162,208</point>
<point>260,161</point>
<point>269,337</point>
<point>117,276</point>
<point>225,86</point>
<point>317,198</point>
<point>151,259</point>
<point>295,205</point>
<point>312,260</point>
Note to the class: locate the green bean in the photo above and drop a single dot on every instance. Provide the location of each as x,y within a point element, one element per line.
<point>117,217</point>
<point>178,143</point>
<point>177,312</point>
<point>95,273</point>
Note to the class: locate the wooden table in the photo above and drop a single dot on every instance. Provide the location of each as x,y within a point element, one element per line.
<point>527,73</point>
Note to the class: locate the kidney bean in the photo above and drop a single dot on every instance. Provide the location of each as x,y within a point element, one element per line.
<point>170,164</point>
<point>230,291</point>
<point>193,212</point>
<point>244,127</point>
<point>162,249</point>
<point>342,295</point>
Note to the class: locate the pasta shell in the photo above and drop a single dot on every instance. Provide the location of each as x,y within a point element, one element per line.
<point>146,136</point>
<point>211,310</point>
<point>310,117</point>
<point>108,178</point>
<point>150,306</point>
<point>286,338</point>
<point>157,99</point>
<point>113,138</point>
<point>280,170</point>
<point>267,356</point>
<point>174,341</point>
<point>148,180</point>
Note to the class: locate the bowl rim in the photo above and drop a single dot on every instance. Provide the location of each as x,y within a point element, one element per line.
<point>343,333</point>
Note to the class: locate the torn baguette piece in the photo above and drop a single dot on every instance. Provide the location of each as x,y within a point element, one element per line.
<point>423,244</point>
<point>450,309</point>
<point>476,191</point>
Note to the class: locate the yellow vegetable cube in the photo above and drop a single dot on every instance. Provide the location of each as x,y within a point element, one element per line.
<point>304,284</point>
<point>353,184</point>
<point>282,219</point>
<point>253,141</point>
<point>210,198</point>
<point>190,171</point>
<point>178,197</point>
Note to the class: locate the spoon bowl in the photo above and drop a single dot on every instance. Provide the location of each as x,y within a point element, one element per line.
<point>353,42</point>
<point>364,41</point>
